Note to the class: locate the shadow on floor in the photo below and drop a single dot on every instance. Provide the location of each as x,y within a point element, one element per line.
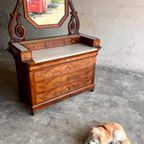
<point>8,80</point>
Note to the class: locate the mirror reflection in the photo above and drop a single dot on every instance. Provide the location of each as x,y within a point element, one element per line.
<point>44,12</point>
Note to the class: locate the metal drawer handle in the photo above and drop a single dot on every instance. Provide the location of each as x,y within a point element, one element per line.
<point>34,47</point>
<point>67,69</point>
<point>67,89</point>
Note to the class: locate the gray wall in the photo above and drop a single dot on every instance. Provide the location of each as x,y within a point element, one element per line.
<point>119,25</point>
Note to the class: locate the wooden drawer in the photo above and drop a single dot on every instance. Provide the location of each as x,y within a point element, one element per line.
<point>52,83</point>
<point>63,69</point>
<point>60,91</point>
<point>35,46</point>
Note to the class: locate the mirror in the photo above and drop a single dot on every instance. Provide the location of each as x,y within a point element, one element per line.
<point>46,13</point>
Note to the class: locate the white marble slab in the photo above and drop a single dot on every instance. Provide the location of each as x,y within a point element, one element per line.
<point>19,46</point>
<point>60,52</point>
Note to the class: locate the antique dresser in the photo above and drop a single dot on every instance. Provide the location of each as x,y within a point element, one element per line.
<point>55,68</point>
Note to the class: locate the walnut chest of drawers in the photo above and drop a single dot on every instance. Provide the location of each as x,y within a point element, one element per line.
<point>53,69</point>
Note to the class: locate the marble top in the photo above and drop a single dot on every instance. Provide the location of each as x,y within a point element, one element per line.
<point>19,46</point>
<point>60,52</point>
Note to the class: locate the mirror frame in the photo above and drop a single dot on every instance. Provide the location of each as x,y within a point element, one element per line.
<point>27,17</point>
<point>17,31</point>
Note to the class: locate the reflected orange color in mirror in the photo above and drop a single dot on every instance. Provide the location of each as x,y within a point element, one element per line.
<point>46,13</point>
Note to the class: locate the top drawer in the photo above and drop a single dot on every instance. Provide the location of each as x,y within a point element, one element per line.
<point>35,46</point>
<point>63,69</point>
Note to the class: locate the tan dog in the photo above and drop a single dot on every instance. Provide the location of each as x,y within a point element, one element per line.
<point>108,133</point>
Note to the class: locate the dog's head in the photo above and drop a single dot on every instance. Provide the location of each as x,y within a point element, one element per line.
<point>94,137</point>
<point>98,135</point>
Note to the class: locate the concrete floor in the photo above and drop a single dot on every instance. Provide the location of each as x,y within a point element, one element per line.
<point>118,97</point>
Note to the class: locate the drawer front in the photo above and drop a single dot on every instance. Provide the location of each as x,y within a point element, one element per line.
<point>63,69</point>
<point>36,46</point>
<point>59,91</point>
<point>52,83</point>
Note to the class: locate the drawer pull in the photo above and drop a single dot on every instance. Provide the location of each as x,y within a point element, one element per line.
<point>67,89</point>
<point>34,47</point>
<point>67,69</point>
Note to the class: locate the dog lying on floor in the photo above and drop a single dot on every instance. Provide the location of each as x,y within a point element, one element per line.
<point>108,133</point>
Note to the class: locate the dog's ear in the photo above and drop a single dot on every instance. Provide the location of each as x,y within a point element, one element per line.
<point>99,139</point>
<point>96,134</point>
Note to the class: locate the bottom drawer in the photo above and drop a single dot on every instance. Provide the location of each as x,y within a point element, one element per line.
<point>59,91</point>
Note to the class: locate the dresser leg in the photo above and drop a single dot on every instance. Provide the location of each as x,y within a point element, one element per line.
<point>32,112</point>
<point>92,90</point>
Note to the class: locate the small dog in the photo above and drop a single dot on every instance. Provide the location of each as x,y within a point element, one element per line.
<point>108,133</point>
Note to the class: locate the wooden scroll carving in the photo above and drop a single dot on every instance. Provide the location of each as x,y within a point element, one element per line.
<point>74,24</point>
<point>17,31</point>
